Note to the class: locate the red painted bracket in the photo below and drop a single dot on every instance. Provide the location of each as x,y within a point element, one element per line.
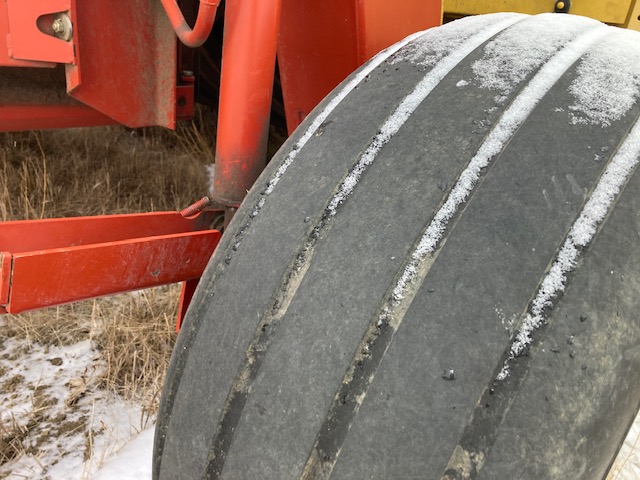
<point>57,261</point>
<point>125,61</point>
<point>26,41</point>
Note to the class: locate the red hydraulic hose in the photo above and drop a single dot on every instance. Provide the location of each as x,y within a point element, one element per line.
<point>201,30</point>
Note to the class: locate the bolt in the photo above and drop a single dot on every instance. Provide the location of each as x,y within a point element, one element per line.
<point>62,27</point>
<point>449,374</point>
<point>57,26</point>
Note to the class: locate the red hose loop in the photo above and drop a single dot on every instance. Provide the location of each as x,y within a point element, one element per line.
<point>202,28</point>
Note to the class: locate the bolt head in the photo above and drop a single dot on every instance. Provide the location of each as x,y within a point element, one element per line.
<point>57,26</point>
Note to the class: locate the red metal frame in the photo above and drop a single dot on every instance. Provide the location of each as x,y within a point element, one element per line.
<point>56,261</point>
<point>188,289</point>
<point>29,117</point>
<point>121,64</point>
<point>246,87</point>
<point>28,43</point>
<point>126,62</point>
<point>321,43</point>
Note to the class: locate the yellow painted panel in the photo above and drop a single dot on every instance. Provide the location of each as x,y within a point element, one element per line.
<point>609,11</point>
<point>634,17</point>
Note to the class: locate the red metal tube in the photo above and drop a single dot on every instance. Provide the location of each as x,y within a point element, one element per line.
<point>246,86</point>
<point>204,22</point>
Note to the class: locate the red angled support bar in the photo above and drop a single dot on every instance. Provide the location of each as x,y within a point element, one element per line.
<point>57,261</point>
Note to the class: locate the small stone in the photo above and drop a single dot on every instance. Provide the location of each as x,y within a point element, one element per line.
<point>55,361</point>
<point>449,374</point>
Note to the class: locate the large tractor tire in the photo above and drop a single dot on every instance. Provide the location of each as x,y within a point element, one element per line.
<point>438,275</point>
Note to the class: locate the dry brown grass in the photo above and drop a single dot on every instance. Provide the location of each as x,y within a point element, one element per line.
<point>136,348</point>
<point>94,171</point>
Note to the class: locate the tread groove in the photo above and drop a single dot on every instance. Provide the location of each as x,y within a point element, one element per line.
<point>294,275</point>
<point>191,329</point>
<point>480,433</point>
<point>376,341</point>
<point>449,207</point>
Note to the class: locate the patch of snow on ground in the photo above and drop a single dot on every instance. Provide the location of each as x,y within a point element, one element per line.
<point>133,462</point>
<point>52,392</point>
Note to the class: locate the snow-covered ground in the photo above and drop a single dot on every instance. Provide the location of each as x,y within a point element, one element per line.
<point>133,462</point>
<point>78,431</point>
<point>57,419</point>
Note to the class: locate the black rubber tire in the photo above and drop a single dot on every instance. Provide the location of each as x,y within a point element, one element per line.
<point>311,350</point>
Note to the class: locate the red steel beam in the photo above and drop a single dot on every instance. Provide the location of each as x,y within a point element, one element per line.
<point>186,294</point>
<point>39,117</point>
<point>57,261</point>
<point>29,235</point>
